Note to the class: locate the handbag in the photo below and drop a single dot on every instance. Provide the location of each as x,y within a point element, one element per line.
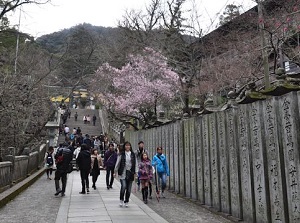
<point>129,175</point>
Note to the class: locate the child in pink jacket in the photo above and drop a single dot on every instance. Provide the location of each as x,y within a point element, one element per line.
<point>145,175</point>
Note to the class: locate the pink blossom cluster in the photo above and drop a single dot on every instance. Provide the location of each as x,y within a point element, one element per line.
<point>144,82</point>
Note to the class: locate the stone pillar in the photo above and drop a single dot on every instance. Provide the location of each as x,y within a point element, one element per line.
<point>181,159</point>
<point>176,139</point>
<point>278,201</point>
<point>193,159</point>
<point>224,163</point>
<point>214,162</point>
<point>187,158</point>
<point>245,152</point>
<point>289,132</point>
<point>261,187</point>
<point>171,156</point>
<point>206,161</point>
<point>199,159</point>
<point>234,164</point>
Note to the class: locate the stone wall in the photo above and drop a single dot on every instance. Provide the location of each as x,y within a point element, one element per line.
<point>244,161</point>
<point>5,173</point>
<point>17,168</point>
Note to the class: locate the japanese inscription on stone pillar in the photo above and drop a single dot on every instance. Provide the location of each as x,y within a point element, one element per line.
<point>181,159</point>
<point>206,161</point>
<point>214,162</point>
<point>224,173</point>
<point>187,166</point>
<point>235,190</point>
<point>245,164</point>
<point>176,155</point>
<point>259,164</point>
<point>171,155</point>
<point>277,199</point>
<point>193,158</point>
<point>199,152</point>
<point>289,134</point>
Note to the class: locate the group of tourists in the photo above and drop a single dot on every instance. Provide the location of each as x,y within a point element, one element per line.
<point>125,164</point>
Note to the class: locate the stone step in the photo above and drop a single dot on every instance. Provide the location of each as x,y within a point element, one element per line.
<point>85,128</point>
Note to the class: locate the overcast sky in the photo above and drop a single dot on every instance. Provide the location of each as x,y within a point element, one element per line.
<point>61,14</point>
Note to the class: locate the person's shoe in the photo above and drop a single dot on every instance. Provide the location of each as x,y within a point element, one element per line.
<point>145,201</point>
<point>121,203</point>
<point>163,195</point>
<point>95,188</point>
<point>88,190</point>
<point>58,192</point>
<point>126,205</point>
<point>82,192</point>
<point>108,187</point>
<point>150,197</point>
<point>63,194</point>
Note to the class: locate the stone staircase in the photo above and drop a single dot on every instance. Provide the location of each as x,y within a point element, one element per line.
<point>85,128</point>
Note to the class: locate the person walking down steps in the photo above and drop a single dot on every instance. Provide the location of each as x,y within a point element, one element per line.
<point>49,162</point>
<point>126,169</point>
<point>63,158</point>
<point>84,164</point>
<point>110,159</point>
<point>160,163</point>
<point>96,163</point>
<point>145,175</point>
<point>94,120</point>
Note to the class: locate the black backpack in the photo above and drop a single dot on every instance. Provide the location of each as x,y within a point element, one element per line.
<point>49,159</point>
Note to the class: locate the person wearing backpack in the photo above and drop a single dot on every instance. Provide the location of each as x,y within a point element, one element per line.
<point>63,158</point>
<point>49,162</point>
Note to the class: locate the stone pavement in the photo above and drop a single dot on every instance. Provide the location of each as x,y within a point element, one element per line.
<point>38,204</point>
<point>101,205</point>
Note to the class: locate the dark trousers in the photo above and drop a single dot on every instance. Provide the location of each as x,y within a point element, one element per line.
<point>49,172</point>
<point>84,174</point>
<point>110,173</point>
<point>95,175</point>
<point>125,190</point>
<point>60,174</point>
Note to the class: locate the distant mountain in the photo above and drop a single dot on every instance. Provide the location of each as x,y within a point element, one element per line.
<point>56,42</point>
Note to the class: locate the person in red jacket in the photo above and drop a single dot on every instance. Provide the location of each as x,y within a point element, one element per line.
<point>145,175</point>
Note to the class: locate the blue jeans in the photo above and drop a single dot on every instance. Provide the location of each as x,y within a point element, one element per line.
<point>162,179</point>
<point>125,190</point>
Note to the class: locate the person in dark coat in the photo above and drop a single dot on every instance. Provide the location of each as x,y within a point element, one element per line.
<point>96,164</point>
<point>63,157</point>
<point>110,159</point>
<point>84,164</point>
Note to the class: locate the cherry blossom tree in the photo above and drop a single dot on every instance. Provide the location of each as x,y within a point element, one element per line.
<point>138,88</point>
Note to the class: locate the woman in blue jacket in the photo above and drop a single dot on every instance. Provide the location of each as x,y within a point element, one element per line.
<point>160,163</point>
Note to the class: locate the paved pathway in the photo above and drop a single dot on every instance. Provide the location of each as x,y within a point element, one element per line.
<point>38,204</point>
<point>101,205</point>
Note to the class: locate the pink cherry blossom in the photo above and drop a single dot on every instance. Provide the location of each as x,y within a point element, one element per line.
<point>143,83</point>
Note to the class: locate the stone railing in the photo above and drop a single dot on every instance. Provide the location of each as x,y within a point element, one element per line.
<point>243,161</point>
<point>16,168</point>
